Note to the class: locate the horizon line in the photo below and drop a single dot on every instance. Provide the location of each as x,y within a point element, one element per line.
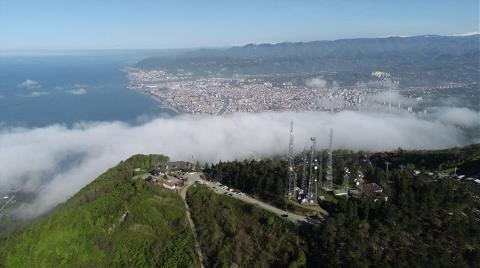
<point>27,50</point>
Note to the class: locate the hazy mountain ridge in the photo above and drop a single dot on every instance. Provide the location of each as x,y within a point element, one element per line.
<point>424,44</point>
<point>417,60</point>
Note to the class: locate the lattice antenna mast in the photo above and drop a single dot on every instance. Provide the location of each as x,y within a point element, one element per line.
<point>345,180</point>
<point>359,181</point>
<point>329,175</point>
<point>295,179</point>
<point>313,168</point>
<point>304,177</point>
<point>291,174</point>
<point>320,167</point>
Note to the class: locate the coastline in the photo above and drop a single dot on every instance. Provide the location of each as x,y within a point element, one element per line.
<point>157,99</point>
<point>161,103</point>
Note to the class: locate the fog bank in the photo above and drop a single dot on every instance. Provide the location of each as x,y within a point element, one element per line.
<point>61,160</point>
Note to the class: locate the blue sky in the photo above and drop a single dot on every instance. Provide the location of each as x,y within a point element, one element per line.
<point>105,24</point>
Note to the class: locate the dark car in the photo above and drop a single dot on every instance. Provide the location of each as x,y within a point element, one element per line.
<point>284,215</point>
<point>313,220</point>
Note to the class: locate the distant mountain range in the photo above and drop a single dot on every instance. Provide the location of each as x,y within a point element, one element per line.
<point>424,45</point>
<point>432,57</point>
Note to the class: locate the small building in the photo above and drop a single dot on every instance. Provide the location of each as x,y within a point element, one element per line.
<point>371,189</point>
<point>158,171</point>
<point>340,192</point>
<point>179,165</point>
<point>374,191</point>
<point>169,185</point>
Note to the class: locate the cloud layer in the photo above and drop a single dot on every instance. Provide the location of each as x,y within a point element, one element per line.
<point>60,160</point>
<point>78,91</point>
<point>316,82</point>
<point>30,84</point>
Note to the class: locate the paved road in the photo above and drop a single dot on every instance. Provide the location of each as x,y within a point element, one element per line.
<point>224,106</point>
<point>6,203</point>
<point>183,194</point>
<point>191,178</point>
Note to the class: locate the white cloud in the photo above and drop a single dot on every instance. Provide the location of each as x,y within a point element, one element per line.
<point>462,117</point>
<point>317,82</point>
<point>38,94</point>
<point>34,157</point>
<point>78,91</point>
<point>393,97</point>
<point>30,84</point>
<point>467,34</point>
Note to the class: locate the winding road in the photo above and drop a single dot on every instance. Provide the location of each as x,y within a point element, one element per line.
<point>195,176</point>
<point>183,194</point>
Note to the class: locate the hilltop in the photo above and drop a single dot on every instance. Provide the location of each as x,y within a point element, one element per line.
<point>133,215</point>
<point>114,221</point>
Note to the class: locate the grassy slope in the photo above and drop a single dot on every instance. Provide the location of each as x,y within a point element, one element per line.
<point>113,221</point>
<point>231,231</point>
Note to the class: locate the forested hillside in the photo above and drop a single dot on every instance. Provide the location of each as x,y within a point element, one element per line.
<point>112,222</point>
<point>233,232</point>
<point>425,223</point>
<point>431,218</point>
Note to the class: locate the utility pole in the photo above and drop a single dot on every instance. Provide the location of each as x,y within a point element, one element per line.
<point>387,163</point>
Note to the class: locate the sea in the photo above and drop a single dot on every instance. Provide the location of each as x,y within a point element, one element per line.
<point>41,89</point>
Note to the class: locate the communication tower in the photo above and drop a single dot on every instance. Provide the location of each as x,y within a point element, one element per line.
<point>329,176</point>
<point>304,177</point>
<point>291,173</point>
<point>313,169</point>
<point>358,182</point>
<point>345,181</point>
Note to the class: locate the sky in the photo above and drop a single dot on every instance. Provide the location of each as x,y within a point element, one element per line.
<point>128,24</point>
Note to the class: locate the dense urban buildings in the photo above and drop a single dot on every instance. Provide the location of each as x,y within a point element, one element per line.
<point>228,95</point>
<point>185,93</point>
